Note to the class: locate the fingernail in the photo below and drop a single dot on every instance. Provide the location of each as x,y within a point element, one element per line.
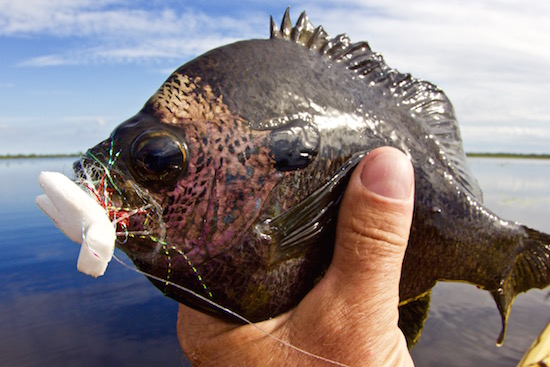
<point>389,174</point>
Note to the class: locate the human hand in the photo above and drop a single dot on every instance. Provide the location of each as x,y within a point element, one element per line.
<point>351,315</point>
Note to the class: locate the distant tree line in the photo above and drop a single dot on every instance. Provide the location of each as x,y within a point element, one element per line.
<point>22,156</point>
<point>509,155</point>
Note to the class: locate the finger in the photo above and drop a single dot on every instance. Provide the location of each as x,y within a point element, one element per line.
<point>374,223</point>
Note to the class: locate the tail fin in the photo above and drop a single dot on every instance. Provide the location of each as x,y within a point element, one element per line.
<point>529,269</point>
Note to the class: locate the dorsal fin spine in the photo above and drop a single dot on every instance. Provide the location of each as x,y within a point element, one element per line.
<point>317,39</point>
<point>357,55</point>
<point>298,28</point>
<point>326,47</point>
<point>273,29</point>
<point>302,21</point>
<point>340,47</point>
<point>286,25</point>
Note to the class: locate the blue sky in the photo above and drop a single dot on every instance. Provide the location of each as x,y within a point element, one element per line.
<point>72,70</point>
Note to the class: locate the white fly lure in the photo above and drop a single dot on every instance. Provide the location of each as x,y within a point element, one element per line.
<point>81,218</point>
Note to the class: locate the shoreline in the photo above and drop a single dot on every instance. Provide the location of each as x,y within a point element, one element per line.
<point>33,156</point>
<point>509,155</point>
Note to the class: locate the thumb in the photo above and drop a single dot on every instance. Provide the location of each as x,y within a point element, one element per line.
<point>374,224</point>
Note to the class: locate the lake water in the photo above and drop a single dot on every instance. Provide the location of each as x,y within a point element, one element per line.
<point>52,315</point>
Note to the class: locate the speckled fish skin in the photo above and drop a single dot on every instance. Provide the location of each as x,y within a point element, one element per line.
<point>245,152</point>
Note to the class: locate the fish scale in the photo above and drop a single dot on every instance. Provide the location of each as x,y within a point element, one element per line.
<point>213,212</point>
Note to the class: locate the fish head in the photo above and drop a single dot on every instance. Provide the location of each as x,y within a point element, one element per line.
<point>184,180</point>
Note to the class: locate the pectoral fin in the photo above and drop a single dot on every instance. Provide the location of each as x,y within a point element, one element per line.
<point>294,231</point>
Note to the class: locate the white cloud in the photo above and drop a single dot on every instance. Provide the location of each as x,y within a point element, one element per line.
<point>48,60</point>
<point>121,32</point>
<point>491,132</point>
<point>34,16</point>
<point>74,18</point>
<point>165,49</point>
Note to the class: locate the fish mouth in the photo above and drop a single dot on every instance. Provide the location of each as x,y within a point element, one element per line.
<point>131,208</point>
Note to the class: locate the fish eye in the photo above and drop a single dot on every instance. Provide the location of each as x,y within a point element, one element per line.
<point>158,158</point>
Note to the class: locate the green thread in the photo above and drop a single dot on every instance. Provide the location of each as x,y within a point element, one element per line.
<point>112,161</point>
<point>106,169</point>
<point>166,251</point>
<point>169,270</point>
<point>199,277</point>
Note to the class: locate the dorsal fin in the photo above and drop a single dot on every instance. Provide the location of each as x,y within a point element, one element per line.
<point>421,99</point>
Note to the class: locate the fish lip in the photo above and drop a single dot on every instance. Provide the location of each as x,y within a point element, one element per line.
<point>126,202</point>
<point>92,176</point>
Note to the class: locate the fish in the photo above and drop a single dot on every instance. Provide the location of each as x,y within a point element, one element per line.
<point>225,187</point>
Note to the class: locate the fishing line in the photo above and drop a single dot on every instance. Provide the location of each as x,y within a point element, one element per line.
<point>97,179</point>
<point>232,313</point>
<point>106,169</point>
